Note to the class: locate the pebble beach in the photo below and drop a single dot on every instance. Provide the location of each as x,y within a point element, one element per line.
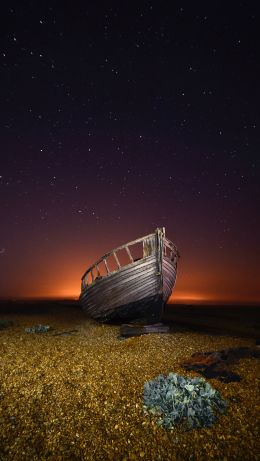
<point>79,396</point>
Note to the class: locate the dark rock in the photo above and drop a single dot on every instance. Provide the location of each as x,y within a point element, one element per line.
<point>222,373</point>
<point>216,364</point>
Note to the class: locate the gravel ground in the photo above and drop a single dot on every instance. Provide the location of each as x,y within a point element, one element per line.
<point>79,397</point>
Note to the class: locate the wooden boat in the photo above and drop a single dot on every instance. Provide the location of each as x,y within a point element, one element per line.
<point>121,287</point>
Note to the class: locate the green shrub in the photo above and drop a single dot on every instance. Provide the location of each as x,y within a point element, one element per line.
<point>176,399</point>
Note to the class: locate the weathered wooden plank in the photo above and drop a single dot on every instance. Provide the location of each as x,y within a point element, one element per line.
<point>129,254</point>
<point>117,260</point>
<point>129,273</point>
<point>129,292</point>
<point>128,330</point>
<point>107,269</point>
<point>125,272</point>
<point>111,302</point>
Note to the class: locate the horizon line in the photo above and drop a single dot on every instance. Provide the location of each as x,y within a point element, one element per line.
<point>171,301</point>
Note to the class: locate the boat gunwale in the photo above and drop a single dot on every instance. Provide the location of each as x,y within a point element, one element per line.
<point>114,250</point>
<point>132,242</point>
<point>159,255</point>
<point>126,266</point>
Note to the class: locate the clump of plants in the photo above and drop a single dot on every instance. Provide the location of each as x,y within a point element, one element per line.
<point>176,400</point>
<point>38,329</point>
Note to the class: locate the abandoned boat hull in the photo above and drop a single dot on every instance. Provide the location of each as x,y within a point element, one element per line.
<point>147,310</point>
<point>137,290</point>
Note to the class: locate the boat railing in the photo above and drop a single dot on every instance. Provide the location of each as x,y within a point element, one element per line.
<point>170,250</point>
<point>93,273</point>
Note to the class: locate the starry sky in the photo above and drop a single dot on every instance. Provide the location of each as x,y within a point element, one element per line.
<point>120,117</point>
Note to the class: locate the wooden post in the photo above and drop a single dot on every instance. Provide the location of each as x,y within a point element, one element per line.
<point>117,260</point>
<point>105,261</point>
<point>129,254</point>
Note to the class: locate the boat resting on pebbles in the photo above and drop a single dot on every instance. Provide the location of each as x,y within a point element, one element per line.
<point>131,282</point>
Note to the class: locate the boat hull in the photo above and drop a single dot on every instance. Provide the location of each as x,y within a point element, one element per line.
<point>126,294</point>
<point>146,310</point>
<point>169,270</point>
<point>138,292</point>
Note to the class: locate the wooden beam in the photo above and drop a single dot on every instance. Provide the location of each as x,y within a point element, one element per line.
<point>117,260</point>
<point>105,261</point>
<point>129,254</point>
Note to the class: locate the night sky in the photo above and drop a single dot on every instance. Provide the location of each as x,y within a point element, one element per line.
<point>120,117</point>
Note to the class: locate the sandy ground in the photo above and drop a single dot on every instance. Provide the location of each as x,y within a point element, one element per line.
<point>79,397</point>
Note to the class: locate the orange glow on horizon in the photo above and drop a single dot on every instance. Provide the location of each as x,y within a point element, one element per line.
<point>72,292</point>
<point>65,283</point>
<point>57,275</point>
